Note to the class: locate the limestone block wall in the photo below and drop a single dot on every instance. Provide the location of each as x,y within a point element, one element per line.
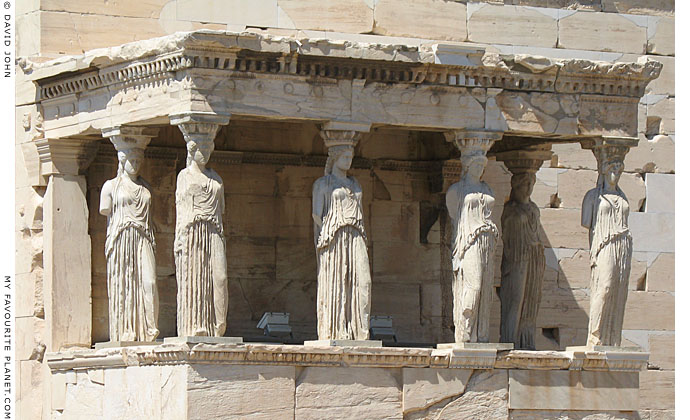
<point>609,30</point>
<point>296,382</point>
<point>206,391</point>
<point>29,306</point>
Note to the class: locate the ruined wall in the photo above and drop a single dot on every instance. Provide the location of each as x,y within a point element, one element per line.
<point>609,30</point>
<point>215,391</point>
<point>29,305</point>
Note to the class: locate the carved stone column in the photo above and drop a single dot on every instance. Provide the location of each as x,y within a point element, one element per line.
<point>66,242</point>
<point>130,243</point>
<point>523,262</point>
<point>605,212</point>
<point>474,236</point>
<point>343,276</point>
<point>200,252</point>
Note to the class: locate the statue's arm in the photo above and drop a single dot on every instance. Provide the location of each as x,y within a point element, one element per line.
<point>152,224</point>
<point>452,201</point>
<point>452,205</point>
<point>214,175</point>
<point>222,198</point>
<point>358,191</point>
<point>588,208</point>
<point>180,210</point>
<point>106,205</point>
<point>512,229</point>
<point>179,194</point>
<point>507,237</point>
<point>318,201</point>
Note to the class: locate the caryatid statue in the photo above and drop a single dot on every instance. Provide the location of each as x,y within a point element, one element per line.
<point>605,212</point>
<point>130,245</point>
<point>523,262</point>
<point>344,277</point>
<point>200,259</point>
<point>469,203</point>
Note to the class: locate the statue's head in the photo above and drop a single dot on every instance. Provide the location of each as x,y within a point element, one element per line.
<point>522,185</point>
<point>610,163</point>
<point>130,144</point>
<point>612,171</point>
<point>340,157</point>
<point>473,165</point>
<point>130,160</point>
<point>199,151</point>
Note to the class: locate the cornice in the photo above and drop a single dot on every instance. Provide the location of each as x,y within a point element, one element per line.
<point>238,55</point>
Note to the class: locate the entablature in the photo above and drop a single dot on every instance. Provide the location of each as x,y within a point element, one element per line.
<point>270,77</point>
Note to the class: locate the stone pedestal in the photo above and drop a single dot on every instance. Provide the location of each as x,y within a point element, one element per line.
<point>475,346</point>
<point>115,344</point>
<point>344,343</point>
<point>608,349</point>
<point>466,355</point>
<point>202,340</point>
<point>609,357</point>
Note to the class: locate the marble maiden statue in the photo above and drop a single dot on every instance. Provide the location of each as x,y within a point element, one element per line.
<point>129,247</point>
<point>469,204</point>
<point>605,213</point>
<point>344,279</point>
<point>202,290</point>
<point>522,265</point>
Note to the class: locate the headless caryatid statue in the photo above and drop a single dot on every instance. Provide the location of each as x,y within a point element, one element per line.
<point>523,262</point>
<point>469,203</point>
<point>605,212</point>
<point>200,261</point>
<point>344,278</point>
<point>129,246</point>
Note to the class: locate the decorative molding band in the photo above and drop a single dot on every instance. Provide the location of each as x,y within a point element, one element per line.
<point>388,357</point>
<point>140,72</point>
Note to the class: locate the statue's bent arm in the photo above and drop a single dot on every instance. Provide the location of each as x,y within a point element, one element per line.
<point>318,201</point>
<point>106,205</point>
<point>452,205</point>
<point>587,209</point>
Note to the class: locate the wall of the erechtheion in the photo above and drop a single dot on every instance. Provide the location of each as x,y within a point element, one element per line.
<point>269,228</point>
<point>276,209</point>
